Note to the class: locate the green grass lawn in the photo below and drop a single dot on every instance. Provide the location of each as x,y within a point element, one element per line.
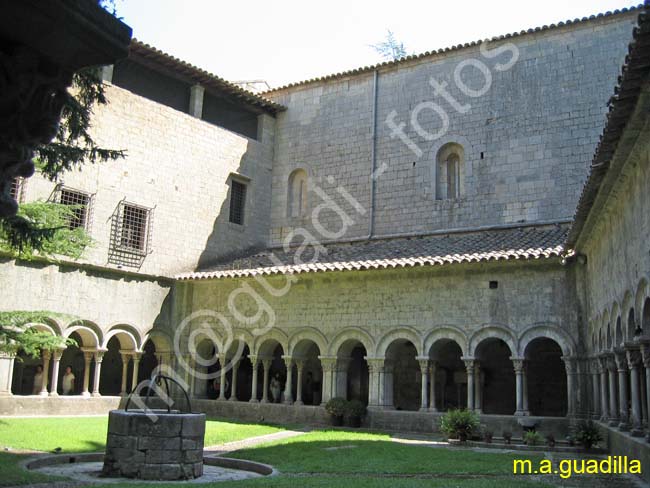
<point>317,459</point>
<point>355,453</point>
<point>87,434</point>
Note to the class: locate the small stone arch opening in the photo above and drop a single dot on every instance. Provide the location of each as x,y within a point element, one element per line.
<point>111,373</point>
<point>73,357</point>
<point>148,361</point>
<point>239,373</point>
<point>620,339</point>
<point>449,376</point>
<point>272,352</point>
<point>402,376</point>
<point>307,375</point>
<point>497,377</point>
<point>297,194</point>
<point>353,371</point>
<point>450,171</point>
<point>546,378</point>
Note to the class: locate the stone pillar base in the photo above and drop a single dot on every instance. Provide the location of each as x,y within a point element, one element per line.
<point>54,394</point>
<point>613,423</point>
<point>298,402</point>
<point>423,409</point>
<point>433,410</point>
<point>253,400</point>
<point>623,427</point>
<point>85,394</point>
<point>636,432</point>
<point>288,402</point>
<point>95,394</point>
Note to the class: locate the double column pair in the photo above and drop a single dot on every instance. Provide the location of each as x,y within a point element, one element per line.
<point>288,387</point>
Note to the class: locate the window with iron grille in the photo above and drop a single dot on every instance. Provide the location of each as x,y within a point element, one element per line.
<point>131,227</point>
<point>81,203</point>
<point>237,202</point>
<point>134,228</point>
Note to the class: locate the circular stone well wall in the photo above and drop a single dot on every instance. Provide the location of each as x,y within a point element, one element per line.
<point>157,445</point>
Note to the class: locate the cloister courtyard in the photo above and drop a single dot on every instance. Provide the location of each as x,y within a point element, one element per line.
<point>308,457</point>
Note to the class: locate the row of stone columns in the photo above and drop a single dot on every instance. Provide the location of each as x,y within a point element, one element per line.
<point>52,360</point>
<point>266,362</point>
<point>620,387</point>
<point>381,387</point>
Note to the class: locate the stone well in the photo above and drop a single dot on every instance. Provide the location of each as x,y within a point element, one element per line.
<point>167,447</point>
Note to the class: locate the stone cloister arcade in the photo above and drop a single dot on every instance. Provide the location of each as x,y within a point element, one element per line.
<point>620,362</point>
<point>493,371</point>
<point>103,364</point>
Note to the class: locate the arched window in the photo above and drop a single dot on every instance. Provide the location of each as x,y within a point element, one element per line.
<point>449,172</point>
<point>297,194</point>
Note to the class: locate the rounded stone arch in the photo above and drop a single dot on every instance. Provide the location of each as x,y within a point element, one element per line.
<point>309,334</point>
<point>127,335</point>
<point>446,332</point>
<point>90,333</point>
<point>350,335</point>
<point>241,336</point>
<point>48,325</point>
<point>272,336</point>
<point>492,332</point>
<point>404,333</point>
<point>160,339</point>
<point>547,331</point>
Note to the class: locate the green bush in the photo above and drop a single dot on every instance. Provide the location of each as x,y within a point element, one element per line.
<point>532,438</point>
<point>355,408</point>
<point>459,424</point>
<point>587,434</point>
<point>336,407</point>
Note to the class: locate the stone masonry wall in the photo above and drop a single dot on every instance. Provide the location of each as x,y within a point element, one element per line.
<point>180,166</point>
<point>105,299</point>
<point>618,258</point>
<point>527,141</point>
<point>397,301</point>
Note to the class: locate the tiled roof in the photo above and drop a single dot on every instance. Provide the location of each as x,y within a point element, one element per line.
<point>200,76</point>
<point>514,243</point>
<point>366,69</point>
<point>635,73</point>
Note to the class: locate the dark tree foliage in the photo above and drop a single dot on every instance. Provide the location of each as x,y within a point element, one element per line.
<point>41,228</point>
<point>73,144</point>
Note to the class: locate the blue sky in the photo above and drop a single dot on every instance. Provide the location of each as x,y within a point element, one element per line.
<point>284,41</point>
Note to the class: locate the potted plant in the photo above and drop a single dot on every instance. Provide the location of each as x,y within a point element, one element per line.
<point>588,434</point>
<point>532,438</point>
<point>355,411</point>
<point>507,436</point>
<point>336,407</point>
<point>459,424</point>
<point>550,440</point>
